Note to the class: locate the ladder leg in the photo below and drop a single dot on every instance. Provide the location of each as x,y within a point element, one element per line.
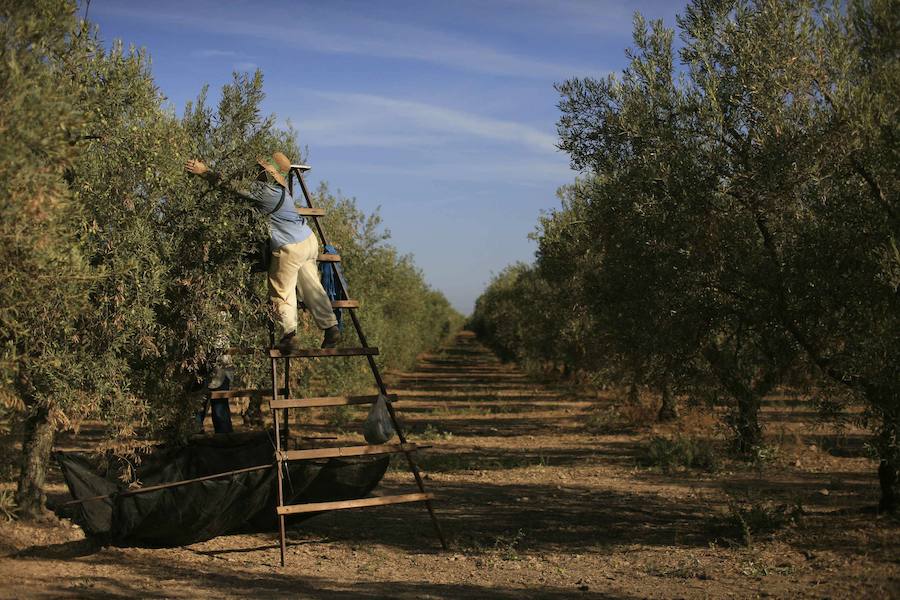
<point>287,390</point>
<point>418,476</point>
<point>412,463</point>
<point>362,340</point>
<point>375,373</point>
<point>282,537</point>
<point>270,329</point>
<point>278,462</point>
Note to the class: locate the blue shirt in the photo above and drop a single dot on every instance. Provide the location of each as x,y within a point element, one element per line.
<point>285,225</point>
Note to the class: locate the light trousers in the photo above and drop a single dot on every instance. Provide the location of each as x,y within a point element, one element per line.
<point>294,267</point>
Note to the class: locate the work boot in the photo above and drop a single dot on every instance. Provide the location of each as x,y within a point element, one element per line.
<point>332,337</point>
<point>289,343</point>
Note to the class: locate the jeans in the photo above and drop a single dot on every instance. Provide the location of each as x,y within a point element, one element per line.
<point>221,411</point>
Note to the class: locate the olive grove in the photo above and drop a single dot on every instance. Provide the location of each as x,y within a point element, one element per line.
<point>121,276</point>
<point>735,226</point>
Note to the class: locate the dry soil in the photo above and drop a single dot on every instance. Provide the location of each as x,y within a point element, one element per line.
<point>542,494</point>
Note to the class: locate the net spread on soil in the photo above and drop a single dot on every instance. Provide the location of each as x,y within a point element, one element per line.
<point>202,510</point>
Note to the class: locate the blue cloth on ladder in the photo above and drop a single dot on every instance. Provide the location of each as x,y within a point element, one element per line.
<point>331,274</point>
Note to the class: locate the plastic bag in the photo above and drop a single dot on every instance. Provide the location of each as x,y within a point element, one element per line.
<point>378,428</point>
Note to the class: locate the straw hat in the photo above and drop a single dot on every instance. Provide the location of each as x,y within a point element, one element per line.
<point>278,167</point>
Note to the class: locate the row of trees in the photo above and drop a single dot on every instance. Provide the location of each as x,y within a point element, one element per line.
<point>737,223</point>
<point>119,275</point>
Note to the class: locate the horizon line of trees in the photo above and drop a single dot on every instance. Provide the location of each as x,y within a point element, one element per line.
<point>120,276</point>
<point>736,223</point>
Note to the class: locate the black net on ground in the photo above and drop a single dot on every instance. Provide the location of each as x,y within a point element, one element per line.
<point>202,510</point>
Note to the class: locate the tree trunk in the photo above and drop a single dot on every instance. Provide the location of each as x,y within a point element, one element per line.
<point>36,447</point>
<point>669,409</point>
<point>886,442</point>
<point>888,475</point>
<point>634,394</point>
<point>746,422</point>
<point>253,416</point>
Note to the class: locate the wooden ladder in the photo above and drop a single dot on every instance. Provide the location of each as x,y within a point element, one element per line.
<point>281,400</point>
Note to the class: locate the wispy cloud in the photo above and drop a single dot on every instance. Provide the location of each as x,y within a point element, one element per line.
<point>214,53</point>
<point>363,36</point>
<point>523,172</point>
<point>596,16</point>
<point>427,142</point>
<point>568,17</point>
<point>370,120</point>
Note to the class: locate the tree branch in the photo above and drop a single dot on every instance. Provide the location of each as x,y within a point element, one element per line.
<point>824,364</point>
<point>876,190</point>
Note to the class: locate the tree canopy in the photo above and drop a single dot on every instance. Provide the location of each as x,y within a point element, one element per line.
<point>736,222</point>
<point>121,275</point>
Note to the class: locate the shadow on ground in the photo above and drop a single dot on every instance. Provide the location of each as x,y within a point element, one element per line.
<point>188,581</point>
<point>480,515</point>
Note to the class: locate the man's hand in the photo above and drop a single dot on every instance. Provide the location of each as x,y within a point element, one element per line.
<point>196,167</point>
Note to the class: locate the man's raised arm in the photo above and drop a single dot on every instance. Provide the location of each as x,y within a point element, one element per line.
<point>198,167</point>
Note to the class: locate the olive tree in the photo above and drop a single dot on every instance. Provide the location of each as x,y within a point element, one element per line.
<point>45,278</point>
<point>737,219</point>
<point>798,109</point>
<point>677,285</point>
<point>118,268</point>
<point>123,276</point>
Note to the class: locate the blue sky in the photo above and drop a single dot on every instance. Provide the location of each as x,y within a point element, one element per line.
<point>441,113</point>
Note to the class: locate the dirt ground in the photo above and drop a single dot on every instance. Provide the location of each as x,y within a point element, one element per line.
<point>542,494</point>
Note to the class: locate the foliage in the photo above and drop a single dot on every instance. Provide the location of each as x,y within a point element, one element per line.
<point>8,508</point>
<point>681,452</point>
<point>619,418</point>
<point>755,518</point>
<point>499,316</point>
<point>431,433</point>
<point>736,221</point>
<point>121,275</point>
<point>45,277</point>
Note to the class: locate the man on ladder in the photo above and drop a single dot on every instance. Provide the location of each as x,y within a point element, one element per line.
<point>293,250</point>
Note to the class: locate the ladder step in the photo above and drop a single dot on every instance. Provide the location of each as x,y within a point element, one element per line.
<point>344,451</point>
<point>329,258</point>
<point>305,211</point>
<point>318,352</point>
<point>361,502</point>
<point>301,168</point>
<point>325,401</point>
<point>339,304</point>
<point>245,393</point>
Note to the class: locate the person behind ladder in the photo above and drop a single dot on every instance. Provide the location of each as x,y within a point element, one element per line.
<point>293,250</point>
